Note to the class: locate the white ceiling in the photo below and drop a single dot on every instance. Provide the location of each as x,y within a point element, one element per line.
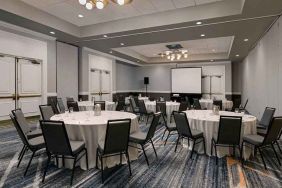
<point>194,47</point>
<point>68,10</point>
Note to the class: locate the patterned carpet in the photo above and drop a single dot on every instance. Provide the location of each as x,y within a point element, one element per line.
<point>169,170</point>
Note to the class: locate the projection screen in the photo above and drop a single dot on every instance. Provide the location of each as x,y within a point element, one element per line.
<point>186,80</point>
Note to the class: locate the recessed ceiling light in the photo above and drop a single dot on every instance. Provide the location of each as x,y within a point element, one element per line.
<point>212,60</point>
<point>80,16</point>
<point>122,44</point>
<point>202,35</point>
<point>213,50</point>
<point>111,52</point>
<point>52,32</point>
<point>198,23</point>
<point>105,36</point>
<point>246,40</point>
<point>237,55</point>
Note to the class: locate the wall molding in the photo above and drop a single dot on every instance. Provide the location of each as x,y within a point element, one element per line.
<point>83,93</point>
<point>140,91</point>
<point>51,94</point>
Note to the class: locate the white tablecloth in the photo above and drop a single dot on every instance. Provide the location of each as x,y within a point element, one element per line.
<point>170,107</point>
<point>205,121</point>
<point>89,105</point>
<point>84,126</point>
<point>208,104</point>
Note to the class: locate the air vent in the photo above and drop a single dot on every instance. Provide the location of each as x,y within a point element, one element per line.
<point>174,46</point>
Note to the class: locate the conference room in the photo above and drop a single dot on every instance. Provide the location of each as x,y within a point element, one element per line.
<point>140,93</point>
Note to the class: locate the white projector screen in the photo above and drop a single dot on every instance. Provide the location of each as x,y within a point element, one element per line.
<point>186,80</point>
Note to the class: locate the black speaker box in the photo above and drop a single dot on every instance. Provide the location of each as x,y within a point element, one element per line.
<point>146,80</point>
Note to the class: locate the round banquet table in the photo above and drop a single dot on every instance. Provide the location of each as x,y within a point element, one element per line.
<point>84,126</point>
<point>206,121</point>
<point>208,104</point>
<point>170,107</point>
<point>89,105</point>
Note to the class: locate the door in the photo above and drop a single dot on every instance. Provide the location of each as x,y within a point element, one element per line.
<point>28,87</point>
<point>100,85</point>
<point>7,86</point>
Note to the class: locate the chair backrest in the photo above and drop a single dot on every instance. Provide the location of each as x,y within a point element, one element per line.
<point>56,137</point>
<point>274,130</point>
<point>53,103</point>
<point>74,105</point>
<point>120,105</point>
<point>19,130</point>
<point>46,112</point>
<point>197,104</point>
<point>61,105</point>
<point>142,107</point>
<point>70,99</point>
<point>153,126</point>
<point>102,104</point>
<point>182,124</point>
<point>152,98</point>
<point>18,114</point>
<point>161,107</point>
<point>267,116</point>
<point>188,102</point>
<point>132,104</point>
<point>236,103</point>
<point>117,136</point>
<point>183,106</point>
<point>229,130</point>
<point>218,103</point>
<point>136,101</point>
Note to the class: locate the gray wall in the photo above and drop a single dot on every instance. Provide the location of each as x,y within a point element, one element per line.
<point>236,78</point>
<point>51,67</point>
<point>262,73</point>
<point>67,68</point>
<point>125,77</point>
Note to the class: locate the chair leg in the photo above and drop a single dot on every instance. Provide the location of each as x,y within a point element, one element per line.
<point>260,152</point>
<point>167,137</point>
<point>20,154</point>
<point>86,158</point>
<point>212,147</point>
<point>193,146</point>
<point>164,133</point>
<point>154,148</point>
<point>278,146</point>
<point>102,168</point>
<point>29,163</point>
<point>63,159</point>
<point>97,158</point>
<point>46,168</point>
<point>204,143</point>
<point>73,168</point>
<point>176,144</point>
<point>128,161</point>
<point>241,153</point>
<point>57,161</point>
<point>145,155</point>
<point>21,157</point>
<point>120,158</point>
<point>147,119</point>
<point>276,154</point>
<point>234,151</point>
<point>215,154</point>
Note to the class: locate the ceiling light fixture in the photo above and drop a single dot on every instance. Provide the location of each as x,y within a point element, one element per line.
<point>198,23</point>
<point>177,54</point>
<point>212,60</point>
<point>246,40</point>
<point>237,55</point>
<point>202,35</point>
<point>100,4</point>
<point>80,16</point>
<point>111,52</point>
<point>122,44</point>
<point>52,32</point>
<point>105,36</point>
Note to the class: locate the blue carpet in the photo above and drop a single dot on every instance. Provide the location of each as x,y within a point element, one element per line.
<point>169,170</point>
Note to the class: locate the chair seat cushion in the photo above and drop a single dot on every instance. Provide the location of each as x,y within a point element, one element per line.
<point>253,139</point>
<point>137,137</point>
<point>37,142</point>
<point>77,146</point>
<point>33,134</point>
<point>261,132</point>
<point>171,127</point>
<point>196,133</point>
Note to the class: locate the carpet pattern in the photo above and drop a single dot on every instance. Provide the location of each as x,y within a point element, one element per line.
<point>169,170</point>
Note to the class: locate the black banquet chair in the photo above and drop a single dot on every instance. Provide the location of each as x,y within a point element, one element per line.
<point>184,131</point>
<point>143,138</point>
<point>102,104</point>
<point>73,105</point>
<point>143,111</point>
<point>260,142</point>
<point>46,112</point>
<point>58,145</point>
<point>218,103</point>
<point>265,120</point>
<point>229,133</point>
<point>53,103</point>
<point>33,144</point>
<point>196,104</point>
<point>61,105</point>
<point>133,105</point>
<point>116,142</point>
